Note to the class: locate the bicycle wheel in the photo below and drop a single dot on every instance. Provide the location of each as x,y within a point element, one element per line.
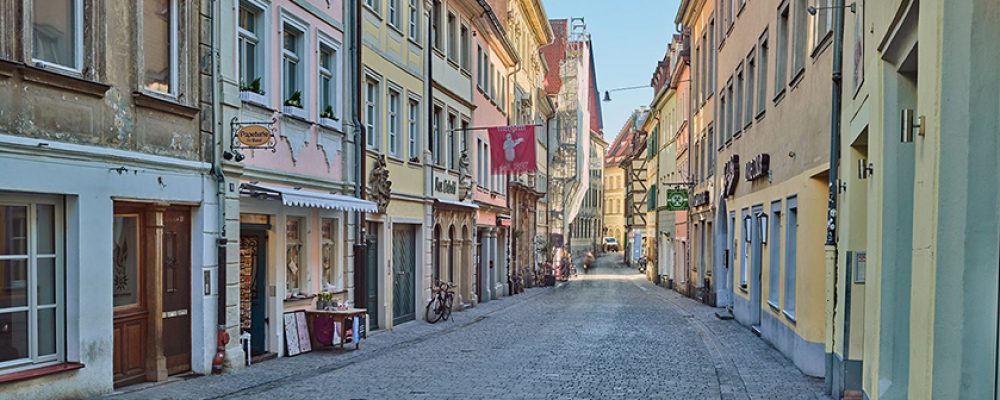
<point>433,312</point>
<point>446,307</point>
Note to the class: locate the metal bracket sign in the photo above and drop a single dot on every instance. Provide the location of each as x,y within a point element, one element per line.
<point>253,135</point>
<point>677,200</point>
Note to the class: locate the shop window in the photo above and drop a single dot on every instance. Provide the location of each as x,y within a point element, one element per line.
<point>333,268</point>
<point>57,33</point>
<point>32,321</point>
<point>774,267</point>
<point>295,266</point>
<point>791,237</point>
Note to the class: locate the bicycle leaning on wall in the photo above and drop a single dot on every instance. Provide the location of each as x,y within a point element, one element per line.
<point>439,307</point>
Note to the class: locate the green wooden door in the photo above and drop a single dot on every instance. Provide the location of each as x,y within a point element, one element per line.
<point>404,276</point>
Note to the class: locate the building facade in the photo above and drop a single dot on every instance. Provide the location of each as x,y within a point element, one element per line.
<point>614,187</point>
<point>913,290</point>
<point>110,244</point>
<point>587,232</point>
<point>699,17</point>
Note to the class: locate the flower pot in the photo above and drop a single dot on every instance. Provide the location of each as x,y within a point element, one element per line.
<point>253,97</point>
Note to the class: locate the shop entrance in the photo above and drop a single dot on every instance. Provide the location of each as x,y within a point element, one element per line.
<point>253,285</point>
<point>371,276</point>
<point>404,267</point>
<point>151,292</point>
<point>756,248</point>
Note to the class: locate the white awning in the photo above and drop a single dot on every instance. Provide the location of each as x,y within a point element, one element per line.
<point>308,198</point>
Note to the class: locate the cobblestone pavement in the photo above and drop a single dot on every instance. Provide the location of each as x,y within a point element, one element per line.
<point>606,334</point>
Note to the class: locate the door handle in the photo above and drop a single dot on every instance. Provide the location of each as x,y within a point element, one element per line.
<point>175,313</point>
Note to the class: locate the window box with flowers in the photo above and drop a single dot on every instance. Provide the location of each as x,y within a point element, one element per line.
<point>327,118</point>
<point>293,106</point>
<point>252,93</point>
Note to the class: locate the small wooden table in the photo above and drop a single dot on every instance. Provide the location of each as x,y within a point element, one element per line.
<point>338,316</point>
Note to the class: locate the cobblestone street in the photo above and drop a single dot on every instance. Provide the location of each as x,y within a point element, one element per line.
<point>609,333</point>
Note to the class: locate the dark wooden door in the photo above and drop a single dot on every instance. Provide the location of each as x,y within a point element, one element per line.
<point>404,277</point>
<point>371,277</point>
<point>128,293</point>
<point>177,290</point>
<point>253,287</point>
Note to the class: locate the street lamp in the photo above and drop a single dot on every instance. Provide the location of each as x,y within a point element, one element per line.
<point>812,10</point>
<point>607,93</point>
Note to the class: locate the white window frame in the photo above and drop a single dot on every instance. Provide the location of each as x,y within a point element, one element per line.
<point>373,87</point>
<point>436,114</point>
<point>302,285</point>
<point>464,43</point>
<point>337,241</point>
<point>414,23</point>
<point>260,39</point>
<point>335,75</point>
<point>450,122</point>
<point>59,230</point>
<point>451,21</point>
<point>77,66</point>
<point>413,127</point>
<point>392,13</point>
<point>374,5</point>
<point>174,59</point>
<point>301,59</point>
<point>393,102</point>
<point>822,22</point>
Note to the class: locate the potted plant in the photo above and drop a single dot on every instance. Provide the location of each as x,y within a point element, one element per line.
<point>324,301</point>
<point>326,117</point>
<point>252,92</point>
<point>293,105</point>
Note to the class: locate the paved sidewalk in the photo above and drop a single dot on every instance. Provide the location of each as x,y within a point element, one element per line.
<point>281,371</point>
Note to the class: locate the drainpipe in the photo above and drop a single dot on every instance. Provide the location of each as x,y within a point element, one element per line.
<point>360,244</point>
<point>831,226</point>
<point>222,336</point>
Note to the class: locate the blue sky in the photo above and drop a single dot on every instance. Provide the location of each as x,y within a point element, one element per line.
<point>629,37</point>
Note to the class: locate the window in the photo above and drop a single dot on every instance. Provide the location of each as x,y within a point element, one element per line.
<point>489,166</point>
<point>393,122</point>
<point>479,161</point>
<point>822,22</point>
<point>464,42</point>
<point>414,130</point>
<point>791,236</point>
<point>723,133</point>
<point>774,267</point>
<point>436,136</point>
<point>762,75</point>
<point>394,13</point>
<point>781,56</point>
<point>250,36</point>
<point>436,25</point>
<point>31,280</point>
<point>415,20</point>
<point>452,38</point>
<point>372,113</point>
<point>731,10</point>
<point>57,33</point>
<point>294,262</point>
<point>333,269</point>
<point>159,46</point>
<point>696,76</point>
<point>799,51</point>
<point>486,75</point>
<point>751,79</point>
<point>375,5</point>
<point>728,117</point>
<point>711,58</point>
<point>452,157</point>
<point>328,81</point>
<point>479,66</point>
<point>738,102</point>
<point>711,151</point>
<point>291,53</point>
<point>463,144</point>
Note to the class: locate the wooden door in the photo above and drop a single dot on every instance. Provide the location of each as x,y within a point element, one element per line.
<point>176,290</point>
<point>404,279</point>
<point>128,288</point>
<point>371,276</point>
<point>253,287</point>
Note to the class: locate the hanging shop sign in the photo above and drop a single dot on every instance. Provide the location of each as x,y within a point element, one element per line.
<point>758,167</point>
<point>700,199</point>
<point>732,173</point>
<point>512,149</point>
<point>677,200</point>
<point>253,135</point>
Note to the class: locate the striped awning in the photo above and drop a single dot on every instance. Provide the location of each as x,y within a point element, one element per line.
<point>307,198</point>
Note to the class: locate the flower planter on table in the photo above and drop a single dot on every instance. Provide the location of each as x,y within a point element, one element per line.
<point>333,327</point>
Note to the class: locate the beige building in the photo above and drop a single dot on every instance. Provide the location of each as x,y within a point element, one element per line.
<point>614,186</point>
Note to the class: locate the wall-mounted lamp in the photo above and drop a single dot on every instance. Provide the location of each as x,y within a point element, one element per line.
<point>607,93</point>
<point>907,125</point>
<point>865,169</point>
<point>746,228</point>
<point>762,220</point>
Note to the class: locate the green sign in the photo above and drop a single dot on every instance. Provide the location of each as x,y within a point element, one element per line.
<point>677,200</point>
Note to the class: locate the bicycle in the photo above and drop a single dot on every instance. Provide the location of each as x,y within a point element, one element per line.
<point>439,307</point>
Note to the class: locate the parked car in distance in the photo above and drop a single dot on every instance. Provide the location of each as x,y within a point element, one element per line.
<point>610,244</point>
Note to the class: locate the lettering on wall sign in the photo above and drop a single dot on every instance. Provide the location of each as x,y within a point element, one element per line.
<point>700,199</point>
<point>732,173</point>
<point>758,167</point>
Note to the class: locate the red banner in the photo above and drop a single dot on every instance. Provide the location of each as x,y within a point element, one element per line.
<point>512,149</point>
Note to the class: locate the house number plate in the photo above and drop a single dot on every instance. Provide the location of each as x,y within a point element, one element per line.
<point>175,313</point>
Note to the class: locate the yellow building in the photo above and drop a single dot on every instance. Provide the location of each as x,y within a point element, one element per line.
<point>700,18</point>
<point>914,314</point>
<point>394,117</point>
<point>614,183</point>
